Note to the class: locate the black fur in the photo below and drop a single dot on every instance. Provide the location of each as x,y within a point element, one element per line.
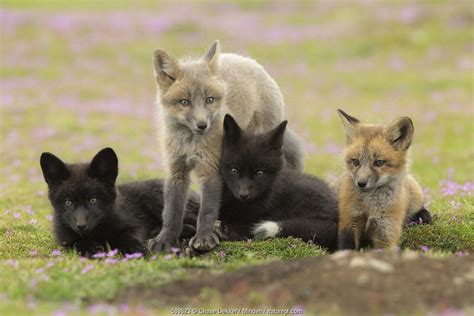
<point>121,217</point>
<point>423,216</point>
<point>302,205</point>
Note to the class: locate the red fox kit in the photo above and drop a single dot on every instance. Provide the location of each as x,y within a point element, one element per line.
<point>377,194</point>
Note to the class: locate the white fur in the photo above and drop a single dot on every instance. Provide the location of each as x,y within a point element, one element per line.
<point>268,229</point>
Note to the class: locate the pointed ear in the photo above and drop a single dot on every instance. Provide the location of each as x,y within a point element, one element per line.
<point>400,133</point>
<point>167,69</point>
<point>232,130</point>
<point>104,166</point>
<point>276,135</point>
<point>212,56</point>
<point>350,125</point>
<point>54,169</point>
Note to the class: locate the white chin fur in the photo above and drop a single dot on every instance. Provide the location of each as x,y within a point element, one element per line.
<point>266,229</point>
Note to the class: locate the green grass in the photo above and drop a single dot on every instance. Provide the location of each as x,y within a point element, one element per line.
<point>72,89</point>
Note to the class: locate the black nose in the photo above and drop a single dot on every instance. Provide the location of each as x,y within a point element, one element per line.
<point>82,227</point>
<point>362,184</point>
<point>244,196</point>
<point>202,125</point>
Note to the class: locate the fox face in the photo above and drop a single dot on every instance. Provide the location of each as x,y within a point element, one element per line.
<point>376,155</point>
<point>192,92</point>
<point>250,163</point>
<point>82,195</point>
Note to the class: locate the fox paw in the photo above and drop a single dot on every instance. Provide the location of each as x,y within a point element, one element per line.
<point>204,243</point>
<point>423,216</point>
<point>162,244</point>
<point>267,229</point>
<point>88,248</point>
<point>221,230</point>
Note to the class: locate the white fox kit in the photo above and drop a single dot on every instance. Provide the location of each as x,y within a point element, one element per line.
<point>193,97</point>
<point>377,194</point>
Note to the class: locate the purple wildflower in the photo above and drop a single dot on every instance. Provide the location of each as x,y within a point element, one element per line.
<point>168,256</point>
<point>112,253</point>
<point>99,255</point>
<point>135,255</point>
<point>17,215</point>
<point>33,221</point>
<point>425,248</point>
<point>49,218</point>
<point>87,268</point>
<point>221,254</point>
<point>33,252</point>
<point>111,261</point>
<point>56,252</point>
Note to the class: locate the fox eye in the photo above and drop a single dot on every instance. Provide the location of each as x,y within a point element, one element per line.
<point>379,163</point>
<point>93,200</point>
<point>184,101</point>
<point>209,100</point>
<point>68,203</point>
<point>355,162</point>
<point>234,171</point>
<point>259,173</point>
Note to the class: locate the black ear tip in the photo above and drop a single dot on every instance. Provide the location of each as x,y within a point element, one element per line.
<point>284,123</point>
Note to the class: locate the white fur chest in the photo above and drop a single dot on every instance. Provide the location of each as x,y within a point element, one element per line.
<point>377,202</point>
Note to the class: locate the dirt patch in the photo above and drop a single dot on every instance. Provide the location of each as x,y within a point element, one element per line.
<point>347,282</point>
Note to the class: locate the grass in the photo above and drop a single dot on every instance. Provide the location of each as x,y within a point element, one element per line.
<point>74,80</point>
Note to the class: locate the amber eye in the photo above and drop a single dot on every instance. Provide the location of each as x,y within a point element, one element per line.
<point>93,200</point>
<point>234,171</point>
<point>68,203</point>
<point>184,102</point>
<point>355,162</point>
<point>259,173</point>
<point>379,163</point>
<point>209,100</point>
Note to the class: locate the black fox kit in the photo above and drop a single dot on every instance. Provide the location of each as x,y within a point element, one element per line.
<point>193,96</point>
<point>91,212</point>
<point>263,199</point>
<point>377,194</point>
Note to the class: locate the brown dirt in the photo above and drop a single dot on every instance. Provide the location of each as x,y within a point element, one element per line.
<point>346,282</point>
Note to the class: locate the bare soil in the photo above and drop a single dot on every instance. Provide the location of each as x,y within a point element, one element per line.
<point>371,283</point>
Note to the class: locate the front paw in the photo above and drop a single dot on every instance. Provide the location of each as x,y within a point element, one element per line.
<point>203,242</point>
<point>221,230</point>
<point>88,248</point>
<point>162,244</point>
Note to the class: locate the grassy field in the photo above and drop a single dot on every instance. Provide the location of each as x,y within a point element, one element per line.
<point>77,79</point>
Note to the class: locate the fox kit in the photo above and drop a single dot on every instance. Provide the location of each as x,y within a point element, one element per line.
<point>262,198</point>
<point>377,194</point>
<point>193,96</point>
<point>90,212</point>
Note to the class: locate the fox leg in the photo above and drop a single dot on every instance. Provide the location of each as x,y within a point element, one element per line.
<point>385,232</point>
<point>205,238</point>
<point>175,192</point>
<point>358,224</point>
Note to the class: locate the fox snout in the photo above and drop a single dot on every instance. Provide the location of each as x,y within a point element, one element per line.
<point>365,178</point>
<point>244,190</point>
<point>80,218</point>
<point>200,120</point>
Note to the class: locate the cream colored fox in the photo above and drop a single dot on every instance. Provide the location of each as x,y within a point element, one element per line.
<point>377,194</point>
<point>193,97</point>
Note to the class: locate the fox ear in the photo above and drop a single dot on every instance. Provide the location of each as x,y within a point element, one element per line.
<point>400,133</point>
<point>212,56</point>
<point>232,130</point>
<point>104,166</point>
<point>350,125</point>
<point>167,69</point>
<point>276,136</point>
<point>54,169</point>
